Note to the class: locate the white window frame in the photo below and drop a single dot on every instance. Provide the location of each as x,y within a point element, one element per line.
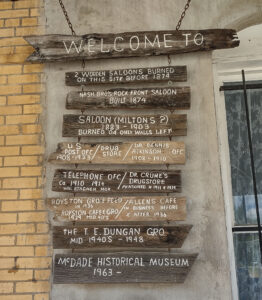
<point>229,70</point>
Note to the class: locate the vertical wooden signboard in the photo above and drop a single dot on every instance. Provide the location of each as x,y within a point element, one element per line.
<point>112,195</point>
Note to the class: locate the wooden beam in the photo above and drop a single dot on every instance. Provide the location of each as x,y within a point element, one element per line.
<point>110,209</point>
<point>142,153</point>
<point>122,267</point>
<point>116,181</point>
<point>57,47</point>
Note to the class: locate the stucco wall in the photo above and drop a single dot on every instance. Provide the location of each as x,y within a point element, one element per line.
<point>210,276</point>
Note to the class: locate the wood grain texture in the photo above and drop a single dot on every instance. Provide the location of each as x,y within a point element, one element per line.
<point>172,98</point>
<point>149,152</point>
<point>122,267</point>
<point>129,209</point>
<point>116,181</point>
<point>124,125</point>
<point>128,44</point>
<point>114,236</point>
<point>138,75</point>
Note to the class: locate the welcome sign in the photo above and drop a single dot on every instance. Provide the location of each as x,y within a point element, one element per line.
<point>129,44</point>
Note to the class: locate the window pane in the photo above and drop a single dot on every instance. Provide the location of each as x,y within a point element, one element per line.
<point>242,183</point>
<point>249,271</point>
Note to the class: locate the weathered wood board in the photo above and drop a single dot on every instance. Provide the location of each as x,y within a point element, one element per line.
<point>128,44</point>
<point>124,125</point>
<point>138,75</point>
<point>139,98</point>
<point>116,181</point>
<point>149,152</point>
<point>122,267</point>
<point>96,209</point>
<point>114,236</point>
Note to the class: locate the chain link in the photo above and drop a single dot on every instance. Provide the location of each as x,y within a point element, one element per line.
<point>83,64</point>
<point>67,18</point>
<point>183,15</point>
<point>73,32</point>
<point>169,59</point>
<point>178,27</point>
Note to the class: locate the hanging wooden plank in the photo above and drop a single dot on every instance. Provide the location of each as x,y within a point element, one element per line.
<point>96,209</point>
<point>116,181</point>
<point>57,47</point>
<point>140,75</point>
<point>114,236</point>
<point>139,98</point>
<point>149,152</point>
<point>123,267</point>
<point>124,125</point>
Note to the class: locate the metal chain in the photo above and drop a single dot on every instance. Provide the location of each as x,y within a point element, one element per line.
<point>169,59</point>
<point>73,32</point>
<point>183,15</point>
<point>178,27</point>
<point>66,16</point>
<point>82,86</point>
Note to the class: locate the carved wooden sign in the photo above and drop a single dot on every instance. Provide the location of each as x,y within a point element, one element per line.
<point>113,236</point>
<point>128,44</point>
<point>124,125</point>
<point>116,181</point>
<point>140,75</point>
<point>96,209</point>
<point>122,267</point>
<point>149,152</point>
<point>139,98</point>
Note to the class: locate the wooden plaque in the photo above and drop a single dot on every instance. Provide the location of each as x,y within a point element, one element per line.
<point>96,209</point>
<point>124,125</point>
<point>123,267</point>
<point>57,47</point>
<point>139,98</point>
<point>116,181</point>
<point>114,236</point>
<point>149,152</point>
<point>141,75</point>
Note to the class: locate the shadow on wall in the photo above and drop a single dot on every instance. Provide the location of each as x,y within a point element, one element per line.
<point>247,21</point>
<point>237,14</point>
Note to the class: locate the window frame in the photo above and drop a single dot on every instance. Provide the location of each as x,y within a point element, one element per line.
<point>224,72</point>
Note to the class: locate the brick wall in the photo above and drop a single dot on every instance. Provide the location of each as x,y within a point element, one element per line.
<point>24,252</point>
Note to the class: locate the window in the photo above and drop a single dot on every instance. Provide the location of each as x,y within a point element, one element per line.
<point>245,234</point>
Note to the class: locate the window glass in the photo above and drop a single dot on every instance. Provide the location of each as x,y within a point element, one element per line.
<point>249,271</point>
<point>241,176</point>
<point>246,244</point>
